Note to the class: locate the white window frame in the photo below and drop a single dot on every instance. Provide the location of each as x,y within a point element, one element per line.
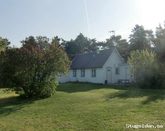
<point>74,73</point>
<point>82,72</point>
<point>93,72</point>
<point>117,70</point>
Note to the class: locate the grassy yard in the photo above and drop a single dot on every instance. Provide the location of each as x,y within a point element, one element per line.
<point>84,107</point>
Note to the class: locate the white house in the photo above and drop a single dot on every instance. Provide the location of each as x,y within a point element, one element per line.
<point>105,66</point>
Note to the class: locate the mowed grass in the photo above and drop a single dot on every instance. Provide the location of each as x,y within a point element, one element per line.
<point>84,107</point>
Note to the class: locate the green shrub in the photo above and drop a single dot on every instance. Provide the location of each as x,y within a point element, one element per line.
<point>33,68</point>
<point>154,81</point>
<point>147,71</point>
<point>38,90</point>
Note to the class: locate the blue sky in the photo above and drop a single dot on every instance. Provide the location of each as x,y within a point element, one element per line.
<point>67,18</point>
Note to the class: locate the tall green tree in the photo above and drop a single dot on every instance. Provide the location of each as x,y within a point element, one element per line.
<point>81,44</point>
<point>140,38</point>
<point>4,43</point>
<point>7,69</point>
<point>159,43</point>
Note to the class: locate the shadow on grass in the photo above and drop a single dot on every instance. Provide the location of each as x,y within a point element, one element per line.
<point>12,104</point>
<point>151,95</point>
<point>77,87</point>
<point>123,92</point>
<point>82,87</point>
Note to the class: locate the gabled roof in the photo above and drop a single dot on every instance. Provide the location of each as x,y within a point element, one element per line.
<point>91,60</point>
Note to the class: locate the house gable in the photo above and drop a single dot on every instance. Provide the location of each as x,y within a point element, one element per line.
<point>114,59</point>
<point>111,65</point>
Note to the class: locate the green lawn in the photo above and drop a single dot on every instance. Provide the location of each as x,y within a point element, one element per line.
<point>84,107</point>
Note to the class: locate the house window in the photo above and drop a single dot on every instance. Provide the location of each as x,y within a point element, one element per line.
<point>93,72</point>
<point>117,70</point>
<point>74,73</point>
<point>82,72</point>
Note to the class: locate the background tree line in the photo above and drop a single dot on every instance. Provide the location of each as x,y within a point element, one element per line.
<point>139,39</point>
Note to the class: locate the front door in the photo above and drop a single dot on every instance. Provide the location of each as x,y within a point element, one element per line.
<point>109,75</point>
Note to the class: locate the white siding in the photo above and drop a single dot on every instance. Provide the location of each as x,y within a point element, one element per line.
<point>125,73</point>
<point>88,76</point>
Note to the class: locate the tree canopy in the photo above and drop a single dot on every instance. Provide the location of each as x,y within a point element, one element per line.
<point>4,43</point>
<point>80,44</point>
<point>140,38</point>
<point>159,42</point>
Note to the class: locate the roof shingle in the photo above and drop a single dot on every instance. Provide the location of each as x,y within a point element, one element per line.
<point>91,60</point>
